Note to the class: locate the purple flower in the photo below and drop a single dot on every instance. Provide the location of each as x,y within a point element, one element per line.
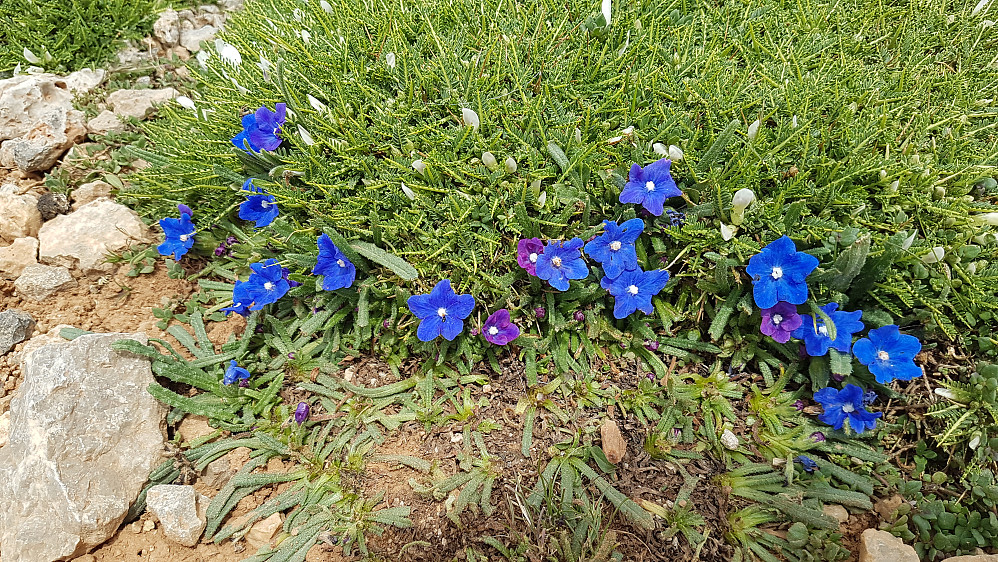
<point>889,354</point>
<point>579,316</point>
<point>869,397</point>
<point>539,312</point>
<point>845,404</point>
<point>634,289</point>
<point>260,129</point>
<point>231,240</point>
<point>233,373</point>
<point>498,328</point>
<point>179,236</point>
<point>779,321</point>
<point>650,186</point>
<point>778,273</point>
<point>336,268</point>
<point>818,437</point>
<point>651,345</point>
<point>259,206</point>
<point>815,333</point>
<point>386,323</point>
<point>560,262</point>
<point>220,250</point>
<point>302,412</point>
<point>614,249</point>
<point>441,312</point>
<point>528,250</point>
<point>266,284</point>
<point>799,405</point>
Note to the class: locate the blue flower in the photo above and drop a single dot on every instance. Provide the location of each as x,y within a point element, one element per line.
<point>260,207</point>
<point>266,284</point>
<point>633,290</point>
<point>560,262</point>
<point>889,354</point>
<point>614,249</point>
<point>338,272</point>
<point>260,129</point>
<point>840,405</point>
<point>241,300</point>
<point>179,234</point>
<point>441,313</point>
<point>778,273</point>
<point>651,186</point>
<point>815,334</point>
<point>233,373</point>
<point>807,463</point>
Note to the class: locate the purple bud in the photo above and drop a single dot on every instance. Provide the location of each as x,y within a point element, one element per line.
<point>292,283</point>
<point>243,383</point>
<point>651,345</point>
<point>579,316</point>
<point>539,312</point>
<point>837,377</point>
<point>259,329</point>
<point>220,251</point>
<point>799,405</point>
<point>650,376</point>
<point>818,436</point>
<point>291,355</point>
<point>473,331</point>
<point>623,345</point>
<point>677,433</point>
<point>185,210</point>
<point>386,323</point>
<point>301,412</point>
<point>231,240</point>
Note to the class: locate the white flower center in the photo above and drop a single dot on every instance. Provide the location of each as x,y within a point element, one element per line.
<point>615,245</point>
<point>883,355</point>
<point>268,286</point>
<point>777,272</point>
<point>777,319</point>
<point>184,237</point>
<point>556,262</point>
<point>848,408</point>
<point>340,263</point>
<point>493,330</point>
<point>265,204</point>
<point>442,312</point>
<point>633,289</point>
<point>532,257</point>
<point>650,186</point>
<point>823,330</point>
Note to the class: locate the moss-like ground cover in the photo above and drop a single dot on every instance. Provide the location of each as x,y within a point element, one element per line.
<point>866,132</point>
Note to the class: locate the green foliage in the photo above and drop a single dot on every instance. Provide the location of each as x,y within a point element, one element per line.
<point>69,35</point>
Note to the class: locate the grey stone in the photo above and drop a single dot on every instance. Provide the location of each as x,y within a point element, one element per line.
<point>106,122</point>
<point>90,192</point>
<point>84,436</point>
<point>881,546</point>
<point>840,513</point>
<point>83,237</point>
<point>26,99</point>
<point>19,255</point>
<point>15,327</point>
<point>85,79</point>
<point>191,39</point>
<point>4,428</point>
<point>39,282</point>
<point>54,133</point>
<point>973,558</point>
<point>19,216</point>
<point>180,510</point>
<point>50,205</point>
<point>167,28</point>
<point>138,103</point>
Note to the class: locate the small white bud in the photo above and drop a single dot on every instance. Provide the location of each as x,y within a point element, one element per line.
<point>945,393</point>
<point>297,14</point>
<point>17,69</point>
<point>753,129</point>
<point>935,255</point>
<point>660,149</point>
<point>30,57</point>
<point>325,6</point>
<point>542,199</point>
<point>979,7</point>
<point>408,192</point>
<point>742,198</point>
<point>675,153</point>
<point>908,241</point>
<point>390,60</point>
<point>305,36</point>
<point>578,136</point>
<point>185,102</point>
<point>893,187</point>
<point>883,174</point>
<point>628,131</point>
<point>510,165</point>
<point>605,8</point>
<point>729,440</point>
<point>419,166</point>
<point>987,218</point>
<point>794,122</point>
<point>305,136</point>
<point>727,233</point>
<point>203,56</point>
<point>974,441</point>
<point>264,65</point>
<point>490,161</point>
<point>470,118</point>
<point>972,268</point>
<point>316,104</point>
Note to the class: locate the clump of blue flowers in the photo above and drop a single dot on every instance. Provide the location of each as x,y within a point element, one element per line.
<point>779,272</point>
<point>259,206</point>
<point>261,129</point>
<point>846,405</point>
<point>337,270</point>
<point>179,234</point>
<point>441,312</point>
<point>650,186</point>
<point>889,354</point>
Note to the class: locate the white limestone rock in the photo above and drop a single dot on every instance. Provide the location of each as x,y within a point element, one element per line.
<point>167,28</point>
<point>84,436</point>
<point>39,282</point>
<point>180,510</point>
<point>19,216</point>
<point>138,103</point>
<point>106,122</point>
<point>55,132</point>
<point>25,99</point>
<point>191,39</point>
<point>15,327</point>
<point>19,255</point>
<point>90,192</point>
<point>83,237</point>
<point>85,79</point>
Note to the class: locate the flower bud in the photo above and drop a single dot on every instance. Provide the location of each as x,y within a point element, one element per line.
<point>579,316</point>
<point>185,210</point>
<point>818,436</point>
<point>742,198</point>
<point>660,149</point>
<point>990,219</point>
<point>675,153</point>
<point>651,345</point>
<point>386,324</point>
<point>934,255</point>
<point>727,233</point>
<point>408,192</point>
<point>908,241</point>
<point>510,165</point>
<point>419,166</point>
<point>470,118</point>
<point>753,129</point>
<point>390,60</point>
<point>306,137</point>
<point>302,412</point>
<point>489,160</point>
<point>539,312</point>
<point>185,102</point>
